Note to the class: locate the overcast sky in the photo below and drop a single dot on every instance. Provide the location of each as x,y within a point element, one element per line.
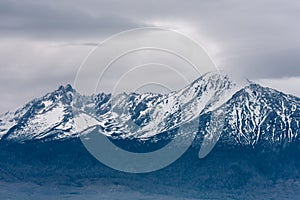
<point>42,43</point>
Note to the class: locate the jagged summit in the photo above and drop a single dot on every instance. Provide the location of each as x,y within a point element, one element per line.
<point>49,114</point>
<point>66,88</point>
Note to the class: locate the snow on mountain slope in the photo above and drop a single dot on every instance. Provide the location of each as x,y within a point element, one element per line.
<point>259,115</point>
<point>9,120</point>
<point>253,114</point>
<point>143,116</point>
<point>46,117</point>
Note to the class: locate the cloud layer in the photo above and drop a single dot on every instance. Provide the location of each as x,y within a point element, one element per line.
<point>42,43</point>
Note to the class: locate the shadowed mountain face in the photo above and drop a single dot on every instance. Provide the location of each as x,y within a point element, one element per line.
<point>256,156</point>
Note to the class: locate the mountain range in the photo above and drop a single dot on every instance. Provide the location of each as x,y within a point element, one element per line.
<point>251,114</point>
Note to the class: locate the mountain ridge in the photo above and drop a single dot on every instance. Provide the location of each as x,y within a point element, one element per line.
<point>254,114</point>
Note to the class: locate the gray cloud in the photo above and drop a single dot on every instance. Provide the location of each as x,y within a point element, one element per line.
<point>61,21</point>
<point>42,43</point>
